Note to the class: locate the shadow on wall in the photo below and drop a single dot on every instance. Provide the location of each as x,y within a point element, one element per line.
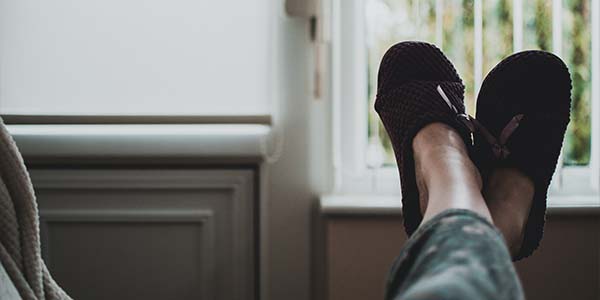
<point>360,250</point>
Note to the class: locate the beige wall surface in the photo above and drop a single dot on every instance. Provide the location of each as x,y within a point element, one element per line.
<point>360,250</point>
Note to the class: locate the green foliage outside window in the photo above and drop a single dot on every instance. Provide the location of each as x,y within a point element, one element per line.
<point>497,32</point>
<point>416,20</point>
<point>577,53</point>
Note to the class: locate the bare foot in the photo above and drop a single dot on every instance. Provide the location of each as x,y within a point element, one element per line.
<point>509,194</point>
<point>446,176</point>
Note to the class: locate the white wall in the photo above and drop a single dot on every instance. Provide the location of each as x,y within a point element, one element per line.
<point>103,65</point>
<point>304,170</point>
<point>135,57</point>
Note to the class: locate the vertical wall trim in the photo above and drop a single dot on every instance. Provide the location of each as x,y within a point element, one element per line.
<point>336,57</point>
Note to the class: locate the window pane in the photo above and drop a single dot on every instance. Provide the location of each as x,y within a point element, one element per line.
<point>389,22</point>
<point>537,25</point>
<point>497,32</point>
<point>577,54</point>
<point>398,20</point>
<point>458,42</point>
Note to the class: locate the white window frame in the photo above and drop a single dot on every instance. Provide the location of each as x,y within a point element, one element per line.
<point>349,92</point>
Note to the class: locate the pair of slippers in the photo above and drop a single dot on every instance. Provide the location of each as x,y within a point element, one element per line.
<point>523,110</point>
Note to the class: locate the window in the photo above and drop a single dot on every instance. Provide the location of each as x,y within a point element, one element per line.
<point>125,57</point>
<point>476,35</point>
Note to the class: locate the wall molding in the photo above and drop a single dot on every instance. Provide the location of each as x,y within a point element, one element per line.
<point>203,218</point>
<point>239,183</point>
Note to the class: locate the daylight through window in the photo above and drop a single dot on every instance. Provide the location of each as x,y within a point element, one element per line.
<point>476,35</point>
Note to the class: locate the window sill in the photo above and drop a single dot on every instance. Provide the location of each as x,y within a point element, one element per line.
<point>168,141</point>
<point>357,205</point>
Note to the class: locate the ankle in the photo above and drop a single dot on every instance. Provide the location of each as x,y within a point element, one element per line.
<point>442,159</point>
<point>508,183</point>
<point>446,177</point>
<point>438,138</point>
<point>513,235</point>
<point>509,194</point>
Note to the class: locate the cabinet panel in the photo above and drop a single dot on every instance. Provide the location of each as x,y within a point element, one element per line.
<point>149,234</point>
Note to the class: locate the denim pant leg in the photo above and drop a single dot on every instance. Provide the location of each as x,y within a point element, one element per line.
<point>456,255</point>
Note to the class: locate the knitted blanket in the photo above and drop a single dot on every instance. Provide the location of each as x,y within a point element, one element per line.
<point>20,252</point>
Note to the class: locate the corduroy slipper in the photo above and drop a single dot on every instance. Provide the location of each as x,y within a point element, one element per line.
<point>417,86</point>
<point>522,113</point>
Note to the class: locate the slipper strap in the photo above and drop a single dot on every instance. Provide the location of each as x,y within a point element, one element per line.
<point>498,145</point>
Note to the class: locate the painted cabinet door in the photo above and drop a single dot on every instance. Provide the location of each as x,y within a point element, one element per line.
<point>149,233</point>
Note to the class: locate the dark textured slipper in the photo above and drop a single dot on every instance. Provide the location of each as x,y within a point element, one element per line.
<point>522,112</point>
<point>417,86</point>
